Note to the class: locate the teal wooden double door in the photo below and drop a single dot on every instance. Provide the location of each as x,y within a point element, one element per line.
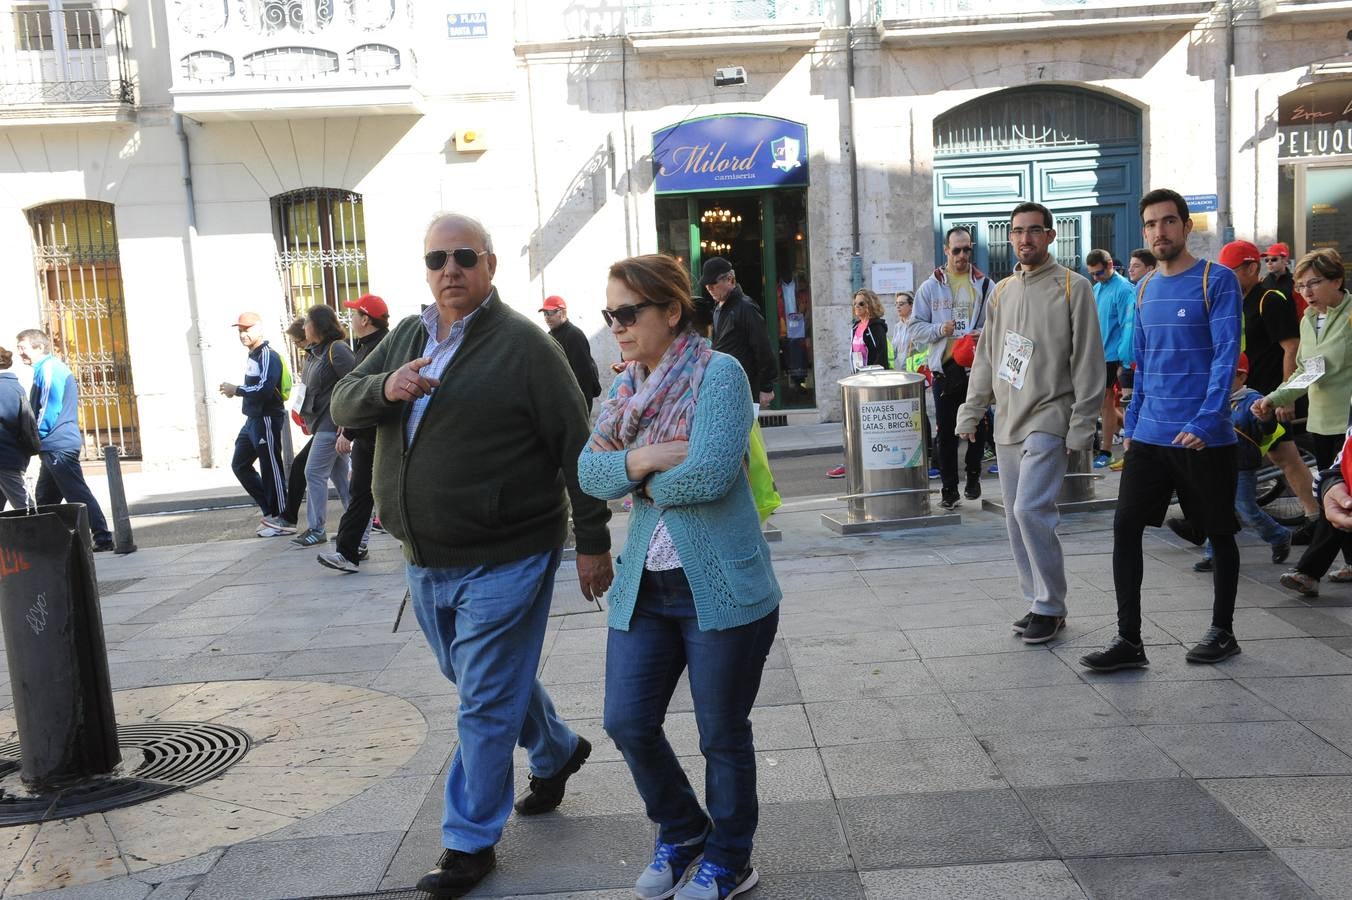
<point>1092,194</point>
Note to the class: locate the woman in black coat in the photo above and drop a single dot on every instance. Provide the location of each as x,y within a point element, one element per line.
<point>868,331</point>
<point>13,458</point>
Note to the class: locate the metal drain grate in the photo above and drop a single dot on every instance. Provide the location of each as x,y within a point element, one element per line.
<point>157,758</point>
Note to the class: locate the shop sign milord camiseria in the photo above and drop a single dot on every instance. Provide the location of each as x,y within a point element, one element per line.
<point>1316,120</point>
<point>729,153</point>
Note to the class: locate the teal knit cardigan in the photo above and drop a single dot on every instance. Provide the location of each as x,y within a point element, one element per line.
<point>707,505</point>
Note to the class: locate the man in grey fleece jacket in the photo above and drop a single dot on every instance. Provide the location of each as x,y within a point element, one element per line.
<point>1041,360</point>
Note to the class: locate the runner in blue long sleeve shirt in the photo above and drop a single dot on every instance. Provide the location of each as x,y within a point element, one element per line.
<point>1179,437</point>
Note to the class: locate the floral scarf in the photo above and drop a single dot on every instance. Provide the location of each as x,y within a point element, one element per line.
<point>657,406</point>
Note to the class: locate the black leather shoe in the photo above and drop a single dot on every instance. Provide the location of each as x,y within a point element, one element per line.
<point>457,872</point>
<point>973,489</point>
<point>104,546</point>
<point>1184,529</point>
<point>545,794</point>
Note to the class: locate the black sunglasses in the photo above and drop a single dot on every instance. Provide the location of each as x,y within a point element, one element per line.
<point>464,257</point>
<point>625,315</point>
<point>959,250</point>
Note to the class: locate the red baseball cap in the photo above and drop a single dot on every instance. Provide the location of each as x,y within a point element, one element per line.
<point>1243,364</point>
<point>370,304</point>
<point>553,302</point>
<point>248,320</point>
<point>1236,253</point>
<point>1279,249</point>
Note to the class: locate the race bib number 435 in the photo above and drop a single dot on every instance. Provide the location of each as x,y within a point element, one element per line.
<point>1014,359</point>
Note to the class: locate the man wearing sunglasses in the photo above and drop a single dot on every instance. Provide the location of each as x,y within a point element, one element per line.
<point>479,425</point>
<point>575,347</point>
<point>739,327</point>
<point>1277,263</point>
<point>950,304</point>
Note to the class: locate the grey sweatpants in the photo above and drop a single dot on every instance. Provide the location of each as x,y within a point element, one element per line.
<point>1031,473</point>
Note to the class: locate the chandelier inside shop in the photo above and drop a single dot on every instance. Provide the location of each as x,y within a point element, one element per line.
<point>715,248</point>
<point>719,216</point>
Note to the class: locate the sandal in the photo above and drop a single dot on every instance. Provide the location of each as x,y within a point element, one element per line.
<point>1342,576</point>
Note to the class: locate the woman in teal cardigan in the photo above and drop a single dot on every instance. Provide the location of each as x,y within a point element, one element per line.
<point>694,589</point>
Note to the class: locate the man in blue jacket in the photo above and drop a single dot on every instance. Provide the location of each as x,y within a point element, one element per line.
<point>264,418</point>
<point>55,398</point>
<point>1179,437</point>
<point>1116,300</point>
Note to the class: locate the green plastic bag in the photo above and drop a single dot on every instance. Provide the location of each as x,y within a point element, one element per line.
<point>758,472</point>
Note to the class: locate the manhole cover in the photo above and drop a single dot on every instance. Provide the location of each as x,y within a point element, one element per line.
<point>157,758</point>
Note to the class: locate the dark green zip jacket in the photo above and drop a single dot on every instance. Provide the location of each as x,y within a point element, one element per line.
<point>493,464</point>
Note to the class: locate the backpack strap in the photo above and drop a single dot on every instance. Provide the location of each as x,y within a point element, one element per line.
<point>1206,297</point>
<point>1140,288</point>
<point>1266,294</point>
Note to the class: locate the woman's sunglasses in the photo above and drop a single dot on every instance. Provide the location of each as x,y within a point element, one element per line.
<point>625,315</point>
<point>464,257</point>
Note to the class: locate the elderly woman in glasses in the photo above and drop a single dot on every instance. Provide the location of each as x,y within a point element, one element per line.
<point>694,590</point>
<point>1324,373</point>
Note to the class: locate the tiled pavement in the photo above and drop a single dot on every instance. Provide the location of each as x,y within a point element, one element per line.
<point>908,745</point>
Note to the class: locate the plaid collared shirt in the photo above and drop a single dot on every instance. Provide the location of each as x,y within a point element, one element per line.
<point>441,352</point>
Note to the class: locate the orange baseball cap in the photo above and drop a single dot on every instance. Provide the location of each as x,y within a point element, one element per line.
<point>248,320</point>
<point>553,302</point>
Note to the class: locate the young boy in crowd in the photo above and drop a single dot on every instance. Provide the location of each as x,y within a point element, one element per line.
<point>1255,435</point>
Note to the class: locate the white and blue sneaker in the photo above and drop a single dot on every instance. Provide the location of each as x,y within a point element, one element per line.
<point>669,868</point>
<point>713,882</point>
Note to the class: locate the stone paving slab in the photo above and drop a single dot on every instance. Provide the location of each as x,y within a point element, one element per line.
<point>908,744</point>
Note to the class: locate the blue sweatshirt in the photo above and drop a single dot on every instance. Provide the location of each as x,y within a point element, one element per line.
<point>1186,349</point>
<point>262,387</point>
<point>55,398</point>
<point>1253,432</point>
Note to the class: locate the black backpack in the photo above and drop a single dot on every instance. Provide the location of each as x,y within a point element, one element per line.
<point>28,439</point>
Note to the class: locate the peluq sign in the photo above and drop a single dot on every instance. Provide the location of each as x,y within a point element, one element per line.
<point>721,153</point>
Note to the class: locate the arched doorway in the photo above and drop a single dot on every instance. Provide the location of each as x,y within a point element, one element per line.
<point>84,311</point>
<point>1075,151</point>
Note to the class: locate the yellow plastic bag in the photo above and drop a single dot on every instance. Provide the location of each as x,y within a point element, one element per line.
<point>763,489</point>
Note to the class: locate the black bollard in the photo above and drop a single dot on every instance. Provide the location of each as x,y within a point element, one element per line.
<point>58,664</point>
<point>122,542</point>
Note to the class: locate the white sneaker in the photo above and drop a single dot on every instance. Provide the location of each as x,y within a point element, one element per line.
<point>268,531</point>
<point>335,560</point>
<point>277,522</point>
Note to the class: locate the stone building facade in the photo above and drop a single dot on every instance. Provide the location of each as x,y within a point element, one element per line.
<point>165,167</point>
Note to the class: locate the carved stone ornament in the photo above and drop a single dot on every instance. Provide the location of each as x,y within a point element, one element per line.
<point>202,18</point>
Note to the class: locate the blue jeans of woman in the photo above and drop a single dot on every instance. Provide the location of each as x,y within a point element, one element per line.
<point>325,463</point>
<point>1251,515</point>
<point>643,666</point>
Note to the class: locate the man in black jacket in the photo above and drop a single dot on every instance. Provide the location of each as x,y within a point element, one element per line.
<point>575,347</point>
<point>739,328</point>
<point>370,324</point>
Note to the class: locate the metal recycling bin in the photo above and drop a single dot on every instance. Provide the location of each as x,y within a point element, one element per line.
<point>886,448</point>
<point>1078,485</point>
<point>58,664</point>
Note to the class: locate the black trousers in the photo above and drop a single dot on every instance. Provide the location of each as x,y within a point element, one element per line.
<point>950,392</point>
<point>1327,541</point>
<point>360,500</point>
<point>295,484</point>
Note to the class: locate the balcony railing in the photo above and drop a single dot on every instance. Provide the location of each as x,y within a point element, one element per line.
<point>916,11</point>
<point>75,55</point>
<point>356,51</point>
<point>595,18</point>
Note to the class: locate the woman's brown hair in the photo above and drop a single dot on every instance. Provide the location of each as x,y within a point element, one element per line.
<point>659,278</point>
<point>872,303</point>
<point>325,322</point>
<point>1326,262</point>
<point>6,358</point>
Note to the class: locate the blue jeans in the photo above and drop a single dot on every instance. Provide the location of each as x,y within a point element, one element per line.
<point>486,625</point>
<point>63,479</point>
<point>643,666</point>
<point>1251,515</point>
